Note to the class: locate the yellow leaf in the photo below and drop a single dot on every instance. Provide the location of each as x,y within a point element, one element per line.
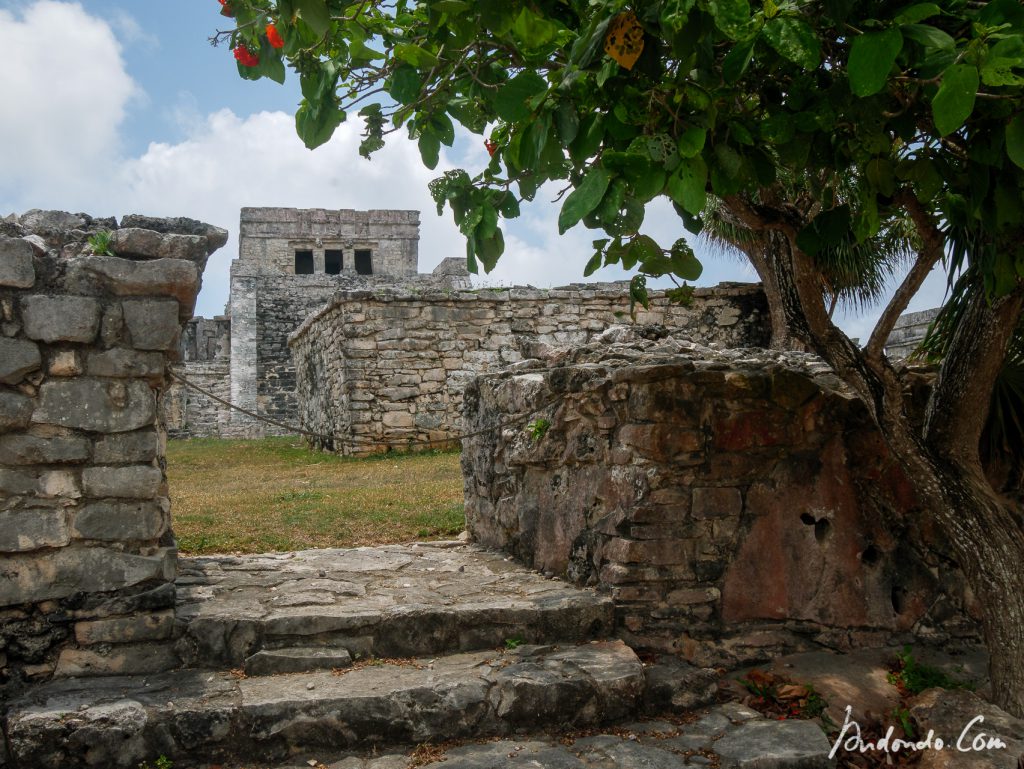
<point>625,39</point>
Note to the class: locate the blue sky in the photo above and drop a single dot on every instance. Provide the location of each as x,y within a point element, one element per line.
<point>123,106</point>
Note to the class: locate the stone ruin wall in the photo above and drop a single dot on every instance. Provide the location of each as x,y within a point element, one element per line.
<point>736,504</point>
<point>387,369</point>
<point>87,556</point>
<point>206,361</point>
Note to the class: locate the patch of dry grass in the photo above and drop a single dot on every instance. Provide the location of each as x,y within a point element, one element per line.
<point>235,496</point>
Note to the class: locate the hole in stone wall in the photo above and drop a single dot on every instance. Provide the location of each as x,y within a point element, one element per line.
<point>303,262</point>
<point>364,261</point>
<point>807,518</point>
<point>896,597</point>
<point>333,261</point>
<point>822,527</point>
<point>870,555</point>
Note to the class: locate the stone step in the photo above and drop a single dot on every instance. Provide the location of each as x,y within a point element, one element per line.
<point>197,717</point>
<point>390,601</point>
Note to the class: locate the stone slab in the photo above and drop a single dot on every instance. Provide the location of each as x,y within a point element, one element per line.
<point>18,357</point>
<point>388,601</point>
<point>120,721</point>
<point>61,318</point>
<point>96,405</point>
<point>16,267</point>
<point>296,660</point>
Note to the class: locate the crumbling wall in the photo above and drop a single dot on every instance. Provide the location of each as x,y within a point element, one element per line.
<point>206,362</point>
<point>86,550</point>
<point>737,504</point>
<point>378,370</point>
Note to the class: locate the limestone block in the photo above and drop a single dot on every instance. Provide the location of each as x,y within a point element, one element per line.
<point>153,324</point>
<point>30,578</point>
<point>148,244</point>
<point>22,530</point>
<point>96,405</point>
<point>39,450</point>
<point>16,268</point>
<point>129,659</point>
<point>120,362</point>
<point>18,357</point>
<point>65,363</point>
<point>216,237</point>
<point>398,419</point>
<point>161,277</point>
<point>113,521</point>
<point>61,318</point>
<point>59,484</point>
<point>132,482</point>
<point>157,626</point>
<point>15,482</point>
<point>140,446</point>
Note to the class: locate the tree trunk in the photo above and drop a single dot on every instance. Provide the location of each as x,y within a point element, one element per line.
<point>943,468</point>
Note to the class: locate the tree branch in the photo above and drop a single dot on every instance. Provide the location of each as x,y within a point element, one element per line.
<point>930,253</point>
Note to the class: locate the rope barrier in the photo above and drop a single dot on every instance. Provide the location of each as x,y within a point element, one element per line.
<point>330,438</point>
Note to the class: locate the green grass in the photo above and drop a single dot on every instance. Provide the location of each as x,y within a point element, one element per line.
<point>234,496</point>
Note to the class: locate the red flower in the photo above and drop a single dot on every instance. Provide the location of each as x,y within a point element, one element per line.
<point>491,147</point>
<point>225,9</point>
<point>274,37</point>
<point>246,57</point>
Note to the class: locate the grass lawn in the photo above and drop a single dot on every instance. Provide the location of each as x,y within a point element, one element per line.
<point>234,496</point>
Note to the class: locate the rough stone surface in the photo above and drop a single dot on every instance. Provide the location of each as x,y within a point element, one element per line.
<point>16,268</point>
<point>61,318</point>
<point>296,660</point>
<point>96,405</point>
<point>389,601</point>
<point>15,411</point>
<point>377,370</point>
<point>153,325</point>
<point>952,716</point>
<point>736,504</point>
<point>132,481</point>
<point>113,521</point>
<point>18,357</point>
<point>84,515</point>
<point>25,449</point>
<point>119,722</point>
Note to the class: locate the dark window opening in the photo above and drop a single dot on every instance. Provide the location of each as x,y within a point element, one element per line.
<point>364,262</point>
<point>332,261</point>
<point>303,262</point>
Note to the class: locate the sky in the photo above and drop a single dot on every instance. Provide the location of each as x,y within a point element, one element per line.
<point>113,107</point>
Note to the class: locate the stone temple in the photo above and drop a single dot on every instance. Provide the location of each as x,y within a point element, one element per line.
<point>330,325</point>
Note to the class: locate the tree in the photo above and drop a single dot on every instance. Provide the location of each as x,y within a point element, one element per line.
<point>874,112</point>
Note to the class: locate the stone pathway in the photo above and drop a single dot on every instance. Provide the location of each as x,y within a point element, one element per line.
<point>728,736</point>
<point>389,601</point>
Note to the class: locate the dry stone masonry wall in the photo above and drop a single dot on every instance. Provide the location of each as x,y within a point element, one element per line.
<point>378,370</point>
<point>736,504</point>
<point>87,557</point>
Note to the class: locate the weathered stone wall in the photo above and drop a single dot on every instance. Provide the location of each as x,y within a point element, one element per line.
<point>269,237</point>
<point>909,331</point>
<point>87,556</point>
<point>205,361</point>
<point>737,504</point>
<point>376,370</point>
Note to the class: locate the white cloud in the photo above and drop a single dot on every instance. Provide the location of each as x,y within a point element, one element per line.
<point>131,32</point>
<point>65,92</point>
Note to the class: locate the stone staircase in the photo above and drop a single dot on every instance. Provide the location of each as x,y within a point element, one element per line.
<point>361,651</point>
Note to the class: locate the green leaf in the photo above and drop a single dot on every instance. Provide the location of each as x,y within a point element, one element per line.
<point>568,123</point>
<point>489,249</point>
<point>872,56</point>
<point>536,32</point>
<point>691,141</point>
<point>405,84</point>
<point>510,101</point>
<point>414,55</point>
<point>315,125</point>
<point>684,263</point>
<point>688,185</point>
<point>912,14</point>
<point>594,264</point>
<point>316,15</point>
<point>1004,57</point>
<point>588,140</point>
<point>930,37</point>
<point>794,39</point>
<point>954,102</point>
<point>737,60</point>
<point>430,148</point>
<point>731,16</point>
<point>584,199</point>
<point>644,250</point>
<point>1015,140</point>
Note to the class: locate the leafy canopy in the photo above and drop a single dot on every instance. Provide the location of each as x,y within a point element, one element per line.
<point>621,104</point>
